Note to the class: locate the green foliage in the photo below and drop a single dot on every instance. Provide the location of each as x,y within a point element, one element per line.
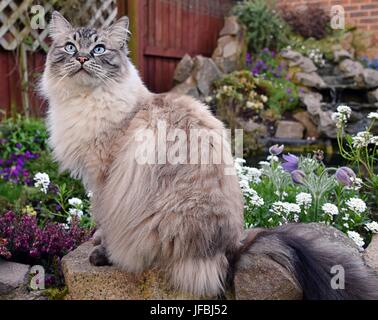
<point>22,134</point>
<point>283,94</point>
<point>238,95</point>
<point>56,293</point>
<point>264,27</point>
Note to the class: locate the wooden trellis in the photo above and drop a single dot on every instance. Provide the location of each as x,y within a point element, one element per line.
<point>16,32</point>
<point>15,18</point>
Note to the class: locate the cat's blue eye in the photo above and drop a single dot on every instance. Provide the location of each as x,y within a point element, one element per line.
<point>99,49</point>
<point>70,48</point>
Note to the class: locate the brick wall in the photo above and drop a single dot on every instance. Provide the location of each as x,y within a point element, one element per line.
<point>360,13</point>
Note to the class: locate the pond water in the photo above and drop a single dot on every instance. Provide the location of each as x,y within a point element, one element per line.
<point>331,155</point>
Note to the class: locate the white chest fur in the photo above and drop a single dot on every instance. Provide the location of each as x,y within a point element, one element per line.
<point>81,122</point>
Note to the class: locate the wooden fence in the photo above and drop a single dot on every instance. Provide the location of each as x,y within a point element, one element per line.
<point>162,32</point>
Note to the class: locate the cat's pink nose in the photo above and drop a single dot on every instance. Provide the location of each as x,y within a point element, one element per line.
<point>82,59</point>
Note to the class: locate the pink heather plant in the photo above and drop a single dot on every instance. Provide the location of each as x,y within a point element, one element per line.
<point>23,238</point>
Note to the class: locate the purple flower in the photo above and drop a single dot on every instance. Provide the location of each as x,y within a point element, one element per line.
<point>289,90</point>
<point>345,176</point>
<point>276,149</point>
<point>291,163</point>
<point>298,176</point>
<point>25,236</point>
<point>18,145</point>
<point>248,58</point>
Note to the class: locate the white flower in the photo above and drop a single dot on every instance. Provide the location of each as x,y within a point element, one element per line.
<point>372,226</point>
<point>330,208</point>
<point>75,202</point>
<point>208,99</point>
<point>346,217</point>
<point>356,184</point>
<point>264,98</point>
<point>256,200</point>
<point>90,194</point>
<point>264,164</point>
<point>374,140</point>
<point>356,205</point>
<point>346,225</point>
<point>356,238</point>
<point>280,207</point>
<point>304,199</point>
<point>343,109</point>
<point>341,116</point>
<point>272,158</point>
<point>253,174</point>
<point>373,115</point>
<point>42,181</point>
<point>362,139</point>
<point>75,212</point>
<point>250,105</point>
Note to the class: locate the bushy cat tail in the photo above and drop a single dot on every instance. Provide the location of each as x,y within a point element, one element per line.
<point>308,254</point>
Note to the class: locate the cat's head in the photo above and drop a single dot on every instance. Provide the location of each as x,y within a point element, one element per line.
<point>87,56</point>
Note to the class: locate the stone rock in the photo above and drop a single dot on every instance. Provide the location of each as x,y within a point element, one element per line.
<point>231,27</point>
<point>371,253</point>
<point>305,119</point>
<point>306,65</point>
<point>88,282</point>
<point>341,54</point>
<point>351,68</point>
<point>373,96</point>
<point>183,69</point>
<point>370,78</point>
<point>312,80</point>
<point>291,55</point>
<point>188,87</point>
<point>289,129</point>
<point>313,103</point>
<point>346,42</point>
<point>205,73</point>
<point>228,53</point>
<point>253,127</point>
<point>260,278</point>
<point>13,277</point>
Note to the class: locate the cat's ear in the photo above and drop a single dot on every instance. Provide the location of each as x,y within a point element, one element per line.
<point>58,25</point>
<point>119,32</point>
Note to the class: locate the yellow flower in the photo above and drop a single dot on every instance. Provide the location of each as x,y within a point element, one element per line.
<point>29,210</point>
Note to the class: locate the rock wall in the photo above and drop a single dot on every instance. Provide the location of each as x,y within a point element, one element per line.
<point>258,276</point>
<point>194,76</point>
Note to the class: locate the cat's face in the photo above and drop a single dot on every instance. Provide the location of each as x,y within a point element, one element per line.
<point>87,56</point>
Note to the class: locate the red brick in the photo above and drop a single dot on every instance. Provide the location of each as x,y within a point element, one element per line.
<point>359,14</point>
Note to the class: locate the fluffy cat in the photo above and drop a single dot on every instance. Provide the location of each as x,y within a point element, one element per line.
<point>186,219</point>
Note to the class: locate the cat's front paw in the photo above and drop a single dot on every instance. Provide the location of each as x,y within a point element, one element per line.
<point>98,256</point>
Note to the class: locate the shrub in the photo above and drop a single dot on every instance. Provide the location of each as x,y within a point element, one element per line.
<point>238,95</point>
<point>272,78</point>
<point>26,240</point>
<point>310,21</point>
<point>264,27</point>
